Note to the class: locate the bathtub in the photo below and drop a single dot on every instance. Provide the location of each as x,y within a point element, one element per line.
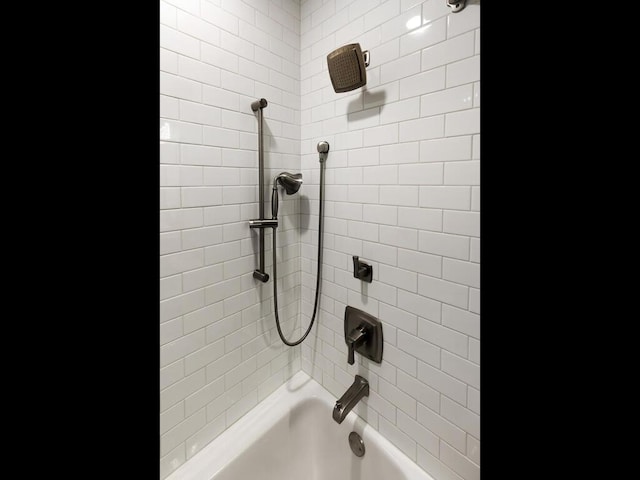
<point>291,435</point>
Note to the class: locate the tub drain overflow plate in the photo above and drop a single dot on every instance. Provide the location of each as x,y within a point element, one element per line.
<point>356,444</point>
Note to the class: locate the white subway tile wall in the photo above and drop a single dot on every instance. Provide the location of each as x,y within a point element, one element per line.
<point>410,195</point>
<point>219,352</point>
<point>402,192</point>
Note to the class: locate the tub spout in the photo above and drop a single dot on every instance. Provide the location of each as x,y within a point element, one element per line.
<point>358,389</point>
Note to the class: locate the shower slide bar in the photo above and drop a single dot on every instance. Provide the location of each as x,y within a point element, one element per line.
<point>262,222</point>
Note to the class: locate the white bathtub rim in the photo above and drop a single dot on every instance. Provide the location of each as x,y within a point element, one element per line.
<point>251,426</point>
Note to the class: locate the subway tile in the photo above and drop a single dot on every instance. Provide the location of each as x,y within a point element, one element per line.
<point>387,174</point>
<point>380,253</point>
<point>219,17</point>
<point>201,318</point>
<point>180,262</point>
<point>221,253</point>
<point>474,300</point>
<point>172,351</point>
<point>434,467</point>
<point>382,135</point>
<point>179,42</point>
<point>181,389</point>
<point>404,66</point>
<point>169,198</point>
<point>464,71</point>
<point>363,230</point>
<point>179,87</point>
<point>474,251</point>
<point>421,218</point>
<point>475,199</point>
<point>398,438</point>
<point>223,327</point>
<point>473,400</point>
<point>398,277</point>
<point>348,176</point>
<point>453,198</point>
<point>222,214</point>
<point>205,435</point>
<point>363,193</point>
<point>176,131</point>
<point>463,223</point>
<point>179,433</point>
<point>170,330</point>
<point>181,304</point>
<point>460,368</point>
<point>399,111</point>
<point>461,320</point>
<point>387,215</point>
<point>364,156</point>
<point>220,137</point>
<point>454,246</point>
<point>168,14</point>
<point>419,305</point>
<point>204,356</point>
<point>473,449</point>
<point>422,83</point>
<point>425,351</point>
<point>221,176</point>
<point>399,153</point>
<point>399,195</point>
<point>172,460</point>
<point>463,21</point>
<point>445,101</point>
<point>170,286</point>
<point>348,211</point>
<point>168,61</point>
<point>474,351</point>
<point>198,28</point>
<point>458,462</point>
<point>433,10</point>
<point>171,374</point>
<point>198,113</point>
<point>445,149</point>
<point>465,273</point>
<point>443,428</point>
<point>462,173</point>
<point>398,236</point>
<point>418,390</point>
<point>443,337</point>
<point>421,174</point>
<point>203,396</point>
<point>420,262</point>
<point>443,383</point>
<point>400,359</point>
<point>397,397</point>
<point>462,123</point>
<point>443,291</point>
<point>447,52</point>
<point>200,155</point>
<point>240,47</point>
<point>398,318</point>
<point>423,37</point>
<point>220,98</point>
<point>169,107</point>
<point>417,432</point>
<point>219,367</point>
<point>422,128</point>
<point>201,196</point>
<point>395,26</point>
<point>169,153</point>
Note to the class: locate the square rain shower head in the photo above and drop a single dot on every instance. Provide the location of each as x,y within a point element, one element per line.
<point>347,68</point>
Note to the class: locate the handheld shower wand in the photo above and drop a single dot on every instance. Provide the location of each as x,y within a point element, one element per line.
<point>291,182</point>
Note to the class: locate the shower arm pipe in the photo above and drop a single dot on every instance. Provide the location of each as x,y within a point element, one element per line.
<point>258,105</point>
